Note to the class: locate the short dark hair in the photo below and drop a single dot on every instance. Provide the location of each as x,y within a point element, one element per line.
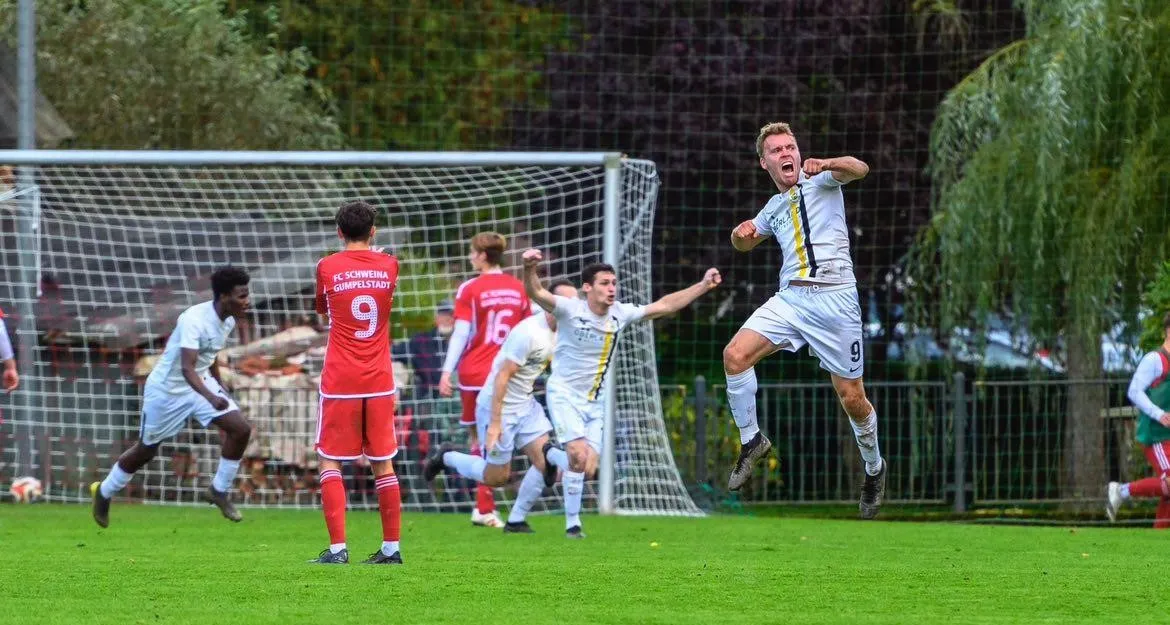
<point>589,273</point>
<point>561,282</point>
<point>356,219</point>
<point>226,279</point>
<point>1166,321</point>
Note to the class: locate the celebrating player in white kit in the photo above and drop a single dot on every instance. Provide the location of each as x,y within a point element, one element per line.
<point>509,418</point>
<point>816,304</point>
<point>587,332</point>
<point>184,384</point>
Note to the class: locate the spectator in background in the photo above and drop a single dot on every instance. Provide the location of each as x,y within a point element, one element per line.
<point>426,350</point>
<point>10,379</point>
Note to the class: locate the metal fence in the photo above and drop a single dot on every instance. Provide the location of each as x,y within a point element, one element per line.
<point>956,443</point>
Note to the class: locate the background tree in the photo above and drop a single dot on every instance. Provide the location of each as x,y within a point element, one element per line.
<point>174,74</point>
<point>422,74</point>
<point>1051,185</point>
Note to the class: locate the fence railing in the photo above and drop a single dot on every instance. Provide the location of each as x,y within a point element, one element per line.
<point>955,443</point>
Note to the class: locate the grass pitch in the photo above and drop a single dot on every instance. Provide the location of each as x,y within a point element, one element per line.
<point>189,565</point>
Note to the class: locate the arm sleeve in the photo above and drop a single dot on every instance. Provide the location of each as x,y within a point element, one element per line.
<point>761,220</point>
<point>322,309</point>
<point>826,179</point>
<point>457,344</point>
<point>463,303</point>
<point>564,307</point>
<point>188,337</point>
<point>515,347</point>
<point>5,344</point>
<point>630,312</point>
<point>1148,370</point>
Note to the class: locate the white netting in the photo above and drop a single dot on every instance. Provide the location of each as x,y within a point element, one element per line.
<point>124,249</point>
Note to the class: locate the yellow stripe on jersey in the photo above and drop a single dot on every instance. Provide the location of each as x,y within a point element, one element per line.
<point>798,233</point>
<point>603,362</point>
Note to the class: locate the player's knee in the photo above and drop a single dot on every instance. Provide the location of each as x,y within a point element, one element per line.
<point>578,458</point>
<point>242,431</point>
<point>735,361</point>
<point>495,476</point>
<point>854,400</point>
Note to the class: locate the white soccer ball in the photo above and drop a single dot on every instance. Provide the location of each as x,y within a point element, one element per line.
<point>26,489</point>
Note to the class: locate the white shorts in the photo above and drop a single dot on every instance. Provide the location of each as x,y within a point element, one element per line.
<point>517,430</point>
<point>826,318</point>
<point>165,414</point>
<point>575,417</point>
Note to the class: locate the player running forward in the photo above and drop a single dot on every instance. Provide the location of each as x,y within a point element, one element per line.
<point>185,383</point>
<point>510,418</point>
<point>355,288</point>
<point>816,304</point>
<point>1149,391</point>
<point>587,332</point>
<point>486,308</point>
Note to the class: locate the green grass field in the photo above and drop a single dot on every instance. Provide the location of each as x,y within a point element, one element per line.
<point>188,565</point>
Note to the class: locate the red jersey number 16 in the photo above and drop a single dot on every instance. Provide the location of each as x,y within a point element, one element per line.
<point>497,326</point>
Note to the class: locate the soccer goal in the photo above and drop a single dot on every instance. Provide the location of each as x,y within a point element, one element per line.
<point>103,249</point>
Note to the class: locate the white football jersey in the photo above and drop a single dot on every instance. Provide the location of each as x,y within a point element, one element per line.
<point>199,327</point>
<point>585,344</point>
<point>808,222</point>
<point>530,345</point>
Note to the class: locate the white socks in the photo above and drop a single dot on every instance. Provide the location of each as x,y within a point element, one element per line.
<point>225,474</point>
<point>866,435</point>
<point>389,547</point>
<point>530,488</point>
<point>741,395</point>
<point>470,467</point>
<point>115,481</point>
<point>574,485</point>
<point>336,547</point>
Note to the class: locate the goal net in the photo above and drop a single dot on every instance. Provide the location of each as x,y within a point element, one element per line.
<point>121,247</point>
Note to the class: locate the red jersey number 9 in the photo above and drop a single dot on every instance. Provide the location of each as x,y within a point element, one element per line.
<point>365,308</point>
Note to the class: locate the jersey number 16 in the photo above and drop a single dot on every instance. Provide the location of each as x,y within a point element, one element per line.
<point>497,327</point>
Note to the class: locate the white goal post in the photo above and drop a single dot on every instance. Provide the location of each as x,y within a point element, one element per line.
<point>102,250</point>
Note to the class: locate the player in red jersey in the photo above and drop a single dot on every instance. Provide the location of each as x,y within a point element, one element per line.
<point>486,308</point>
<point>355,288</point>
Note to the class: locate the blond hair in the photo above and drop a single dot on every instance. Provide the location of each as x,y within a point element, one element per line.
<point>492,244</point>
<point>774,128</point>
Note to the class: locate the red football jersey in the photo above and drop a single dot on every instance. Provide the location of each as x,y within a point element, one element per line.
<point>355,289</point>
<point>492,303</point>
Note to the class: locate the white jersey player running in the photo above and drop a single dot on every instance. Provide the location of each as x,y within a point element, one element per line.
<point>815,306</point>
<point>587,334</point>
<point>509,418</point>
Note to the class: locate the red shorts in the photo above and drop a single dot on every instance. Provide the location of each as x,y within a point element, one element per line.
<point>1158,455</point>
<point>350,427</point>
<point>467,417</point>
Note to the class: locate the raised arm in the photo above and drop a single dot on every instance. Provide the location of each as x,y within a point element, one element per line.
<point>745,236</point>
<point>845,169</point>
<point>536,291</point>
<point>674,302</point>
